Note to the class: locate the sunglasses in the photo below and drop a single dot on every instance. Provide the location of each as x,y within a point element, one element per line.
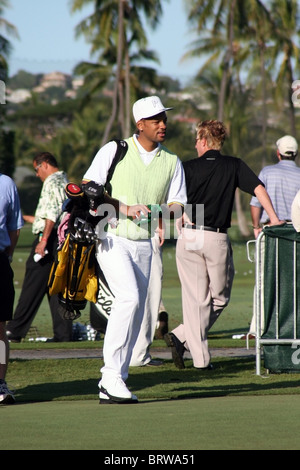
<point>37,167</point>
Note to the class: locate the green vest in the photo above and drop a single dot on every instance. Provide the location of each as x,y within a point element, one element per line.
<point>133,182</point>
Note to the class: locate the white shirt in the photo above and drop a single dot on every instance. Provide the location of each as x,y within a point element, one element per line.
<point>103,159</point>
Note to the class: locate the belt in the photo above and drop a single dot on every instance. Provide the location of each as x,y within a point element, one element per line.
<point>208,229</point>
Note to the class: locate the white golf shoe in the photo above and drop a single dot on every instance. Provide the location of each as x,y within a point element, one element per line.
<point>114,390</point>
<point>6,395</point>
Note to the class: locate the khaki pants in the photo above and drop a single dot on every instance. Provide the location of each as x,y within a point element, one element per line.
<point>206,271</point>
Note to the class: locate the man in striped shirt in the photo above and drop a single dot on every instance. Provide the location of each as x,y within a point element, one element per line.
<point>282,182</point>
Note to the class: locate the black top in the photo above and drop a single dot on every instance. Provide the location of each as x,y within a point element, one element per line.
<point>211,180</point>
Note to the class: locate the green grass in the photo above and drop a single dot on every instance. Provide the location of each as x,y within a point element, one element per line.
<point>228,408</point>
<point>76,379</point>
<point>234,320</point>
<point>229,423</point>
<point>72,379</point>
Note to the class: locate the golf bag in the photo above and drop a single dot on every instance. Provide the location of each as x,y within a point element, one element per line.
<point>75,272</point>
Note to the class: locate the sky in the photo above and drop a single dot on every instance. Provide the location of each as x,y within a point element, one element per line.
<point>47,40</point>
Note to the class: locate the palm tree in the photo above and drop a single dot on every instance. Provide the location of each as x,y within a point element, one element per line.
<point>120,47</point>
<point>213,42</point>
<point>76,145</point>
<point>286,16</point>
<point>238,33</point>
<point>5,46</point>
<point>7,158</point>
<point>220,39</point>
<point>114,29</point>
<point>258,32</point>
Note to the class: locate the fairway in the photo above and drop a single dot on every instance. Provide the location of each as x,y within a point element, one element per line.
<point>230,408</point>
<point>225,423</point>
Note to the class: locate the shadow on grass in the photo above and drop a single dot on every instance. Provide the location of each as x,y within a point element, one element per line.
<point>70,390</point>
<point>230,377</point>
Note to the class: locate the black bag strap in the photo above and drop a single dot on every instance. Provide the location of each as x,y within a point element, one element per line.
<point>122,147</point>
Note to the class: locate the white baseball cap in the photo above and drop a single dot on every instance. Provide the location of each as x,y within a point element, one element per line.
<point>287,146</point>
<point>148,107</point>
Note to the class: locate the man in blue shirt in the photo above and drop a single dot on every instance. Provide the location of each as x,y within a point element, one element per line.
<point>10,223</point>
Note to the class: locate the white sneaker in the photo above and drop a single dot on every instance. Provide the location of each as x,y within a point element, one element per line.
<point>6,396</point>
<point>115,391</point>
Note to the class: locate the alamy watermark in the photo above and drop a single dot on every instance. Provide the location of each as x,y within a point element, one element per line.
<point>146,227</point>
<point>2,92</point>
<point>296,92</point>
<point>2,352</point>
<point>296,354</point>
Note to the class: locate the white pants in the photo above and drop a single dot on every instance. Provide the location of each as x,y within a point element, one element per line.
<point>140,354</point>
<point>126,266</point>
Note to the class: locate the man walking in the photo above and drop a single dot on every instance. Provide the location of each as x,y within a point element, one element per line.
<point>149,174</point>
<point>203,252</point>
<point>44,226</point>
<point>10,223</point>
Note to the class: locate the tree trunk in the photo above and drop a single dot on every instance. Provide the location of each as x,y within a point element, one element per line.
<point>127,94</point>
<point>226,64</point>
<point>242,221</point>
<point>118,72</point>
<point>121,109</point>
<point>264,102</point>
<point>290,101</point>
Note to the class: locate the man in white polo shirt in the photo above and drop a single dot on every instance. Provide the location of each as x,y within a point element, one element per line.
<point>148,175</point>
